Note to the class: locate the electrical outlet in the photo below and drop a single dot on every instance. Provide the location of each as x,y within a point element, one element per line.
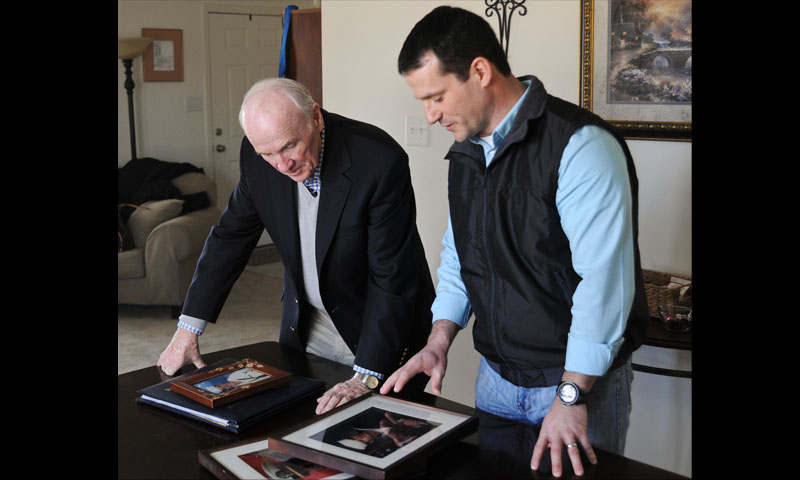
<point>416,131</point>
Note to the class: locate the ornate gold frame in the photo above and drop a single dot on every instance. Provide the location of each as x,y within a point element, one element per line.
<point>632,129</point>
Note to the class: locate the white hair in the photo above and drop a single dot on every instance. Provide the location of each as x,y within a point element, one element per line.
<point>293,89</point>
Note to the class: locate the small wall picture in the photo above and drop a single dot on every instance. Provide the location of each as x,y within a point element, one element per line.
<point>163,59</point>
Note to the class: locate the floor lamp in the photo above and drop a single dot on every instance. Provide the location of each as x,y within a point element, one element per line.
<point>130,48</point>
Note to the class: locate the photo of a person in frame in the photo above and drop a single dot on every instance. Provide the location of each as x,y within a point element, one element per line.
<point>375,432</point>
<point>272,464</point>
<point>229,381</point>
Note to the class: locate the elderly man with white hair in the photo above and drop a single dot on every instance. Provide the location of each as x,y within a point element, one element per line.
<point>335,196</point>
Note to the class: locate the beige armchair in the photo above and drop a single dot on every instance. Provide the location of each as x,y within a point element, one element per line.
<point>167,245</point>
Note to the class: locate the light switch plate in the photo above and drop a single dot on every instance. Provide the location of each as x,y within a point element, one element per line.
<point>194,104</point>
<point>417,131</point>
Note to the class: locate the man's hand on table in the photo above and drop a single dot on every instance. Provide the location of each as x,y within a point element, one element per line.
<point>340,394</point>
<point>182,350</point>
<point>432,359</point>
<point>565,426</point>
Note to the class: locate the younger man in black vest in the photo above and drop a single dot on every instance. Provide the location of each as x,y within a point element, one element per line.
<point>541,246</point>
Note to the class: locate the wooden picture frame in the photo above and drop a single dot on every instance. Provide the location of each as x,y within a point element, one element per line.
<point>251,459</point>
<point>661,108</point>
<point>375,436</point>
<point>163,58</point>
<point>230,382</point>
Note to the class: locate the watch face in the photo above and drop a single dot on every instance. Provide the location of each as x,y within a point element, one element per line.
<point>568,393</point>
<point>369,381</point>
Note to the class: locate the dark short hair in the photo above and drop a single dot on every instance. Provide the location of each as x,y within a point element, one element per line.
<point>456,36</point>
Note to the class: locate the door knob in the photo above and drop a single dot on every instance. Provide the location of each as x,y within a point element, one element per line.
<point>220,148</point>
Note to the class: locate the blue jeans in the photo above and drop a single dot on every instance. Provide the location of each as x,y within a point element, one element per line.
<point>608,407</point>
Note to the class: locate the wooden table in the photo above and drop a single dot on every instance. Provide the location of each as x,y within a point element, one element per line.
<point>157,444</point>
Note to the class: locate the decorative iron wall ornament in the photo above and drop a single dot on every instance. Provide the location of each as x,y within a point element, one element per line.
<point>501,7</point>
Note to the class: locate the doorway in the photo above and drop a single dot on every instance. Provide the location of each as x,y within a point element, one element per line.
<point>243,48</point>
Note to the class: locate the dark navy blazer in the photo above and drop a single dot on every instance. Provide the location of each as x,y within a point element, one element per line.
<point>373,276</point>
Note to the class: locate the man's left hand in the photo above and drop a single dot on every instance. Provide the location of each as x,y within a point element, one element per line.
<point>340,394</point>
<point>564,426</point>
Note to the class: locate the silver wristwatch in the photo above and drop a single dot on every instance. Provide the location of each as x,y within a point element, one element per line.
<point>570,394</point>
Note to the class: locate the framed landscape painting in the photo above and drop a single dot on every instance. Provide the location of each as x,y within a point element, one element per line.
<point>636,66</point>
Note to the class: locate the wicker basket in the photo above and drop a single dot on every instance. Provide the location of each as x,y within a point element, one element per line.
<point>656,286</point>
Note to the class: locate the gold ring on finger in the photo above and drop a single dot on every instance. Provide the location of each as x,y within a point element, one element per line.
<point>572,445</point>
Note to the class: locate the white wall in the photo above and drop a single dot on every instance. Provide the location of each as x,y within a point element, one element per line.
<point>361,41</point>
<point>164,130</point>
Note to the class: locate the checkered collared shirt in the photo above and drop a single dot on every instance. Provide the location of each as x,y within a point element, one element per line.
<point>314,182</point>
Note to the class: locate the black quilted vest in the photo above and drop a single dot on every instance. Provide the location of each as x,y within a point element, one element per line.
<point>515,258</point>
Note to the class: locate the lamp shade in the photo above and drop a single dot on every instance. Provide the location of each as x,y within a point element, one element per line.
<point>130,48</point>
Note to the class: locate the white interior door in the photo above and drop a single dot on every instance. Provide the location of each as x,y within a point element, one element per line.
<point>242,49</point>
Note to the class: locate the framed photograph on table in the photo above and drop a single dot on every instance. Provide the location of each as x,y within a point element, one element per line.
<point>163,58</point>
<point>375,437</point>
<point>231,382</point>
<point>636,66</point>
<point>253,459</point>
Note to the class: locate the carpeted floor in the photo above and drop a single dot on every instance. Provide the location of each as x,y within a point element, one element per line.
<point>251,314</point>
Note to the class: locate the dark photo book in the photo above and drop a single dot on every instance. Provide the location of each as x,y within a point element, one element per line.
<point>239,414</point>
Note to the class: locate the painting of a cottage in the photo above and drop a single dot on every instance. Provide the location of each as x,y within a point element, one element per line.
<point>650,51</point>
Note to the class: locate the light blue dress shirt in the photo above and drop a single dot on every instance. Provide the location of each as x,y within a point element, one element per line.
<point>594,203</point>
